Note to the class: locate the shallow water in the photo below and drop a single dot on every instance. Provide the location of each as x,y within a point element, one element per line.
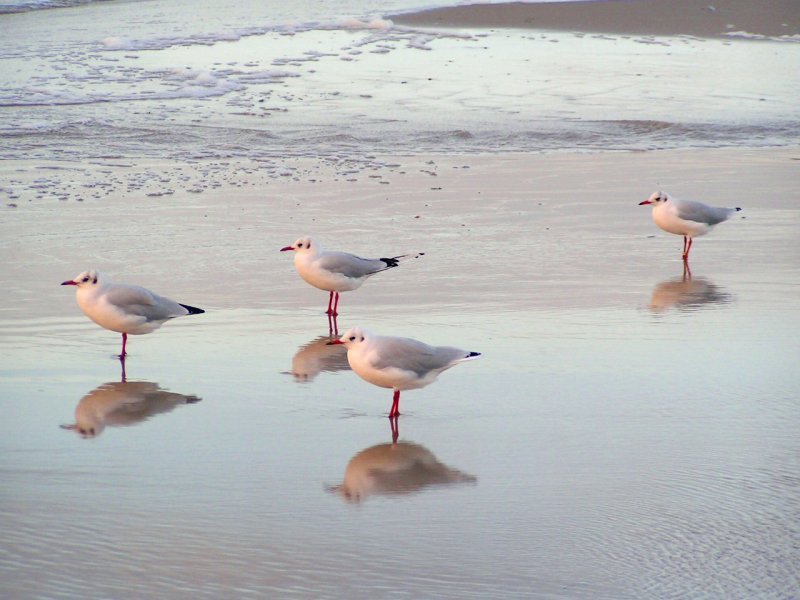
<point>627,433</point>
<point>270,80</point>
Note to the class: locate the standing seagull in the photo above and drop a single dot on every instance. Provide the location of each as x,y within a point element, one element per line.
<point>337,272</point>
<point>686,217</point>
<point>124,308</point>
<point>398,363</point>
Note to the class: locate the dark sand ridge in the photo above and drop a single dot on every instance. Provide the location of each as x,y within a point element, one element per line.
<point>703,18</point>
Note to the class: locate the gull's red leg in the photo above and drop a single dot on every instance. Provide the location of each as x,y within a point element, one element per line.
<point>395,429</point>
<point>336,305</point>
<point>124,342</point>
<point>688,249</point>
<point>395,412</point>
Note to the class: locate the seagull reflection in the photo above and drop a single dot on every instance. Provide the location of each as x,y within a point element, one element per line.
<point>395,469</point>
<point>122,403</point>
<point>686,293</point>
<point>317,356</point>
<point>333,325</point>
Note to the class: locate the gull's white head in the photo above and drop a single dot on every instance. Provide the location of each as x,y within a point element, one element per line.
<point>656,199</point>
<point>85,280</point>
<point>303,244</point>
<point>353,337</point>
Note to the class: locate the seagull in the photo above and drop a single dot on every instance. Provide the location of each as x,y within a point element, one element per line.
<point>398,363</point>
<point>124,308</point>
<point>686,217</point>
<point>337,272</point>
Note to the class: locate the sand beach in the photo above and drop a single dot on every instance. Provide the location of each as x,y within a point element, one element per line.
<point>727,18</point>
<point>630,429</point>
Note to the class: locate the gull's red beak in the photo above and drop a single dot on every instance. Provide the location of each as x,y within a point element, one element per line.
<point>644,202</point>
<point>286,249</point>
<point>335,343</point>
<point>70,282</point>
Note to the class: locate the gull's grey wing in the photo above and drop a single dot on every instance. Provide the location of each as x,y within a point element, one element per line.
<point>412,355</point>
<point>135,300</point>
<point>350,265</point>
<point>702,213</point>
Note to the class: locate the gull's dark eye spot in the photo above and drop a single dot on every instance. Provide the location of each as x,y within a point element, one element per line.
<point>85,279</point>
<point>300,245</point>
<point>352,338</point>
<point>362,338</point>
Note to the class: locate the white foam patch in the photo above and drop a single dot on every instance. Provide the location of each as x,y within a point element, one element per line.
<point>193,77</point>
<point>30,5</point>
<point>795,38</point>
<point>269,76</point>
<point>421,42</point>
<point>117,43</point>
<point>180,83</point>
<point>376,23</point>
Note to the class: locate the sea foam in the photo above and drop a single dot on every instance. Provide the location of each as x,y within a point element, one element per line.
<point>375,23</point>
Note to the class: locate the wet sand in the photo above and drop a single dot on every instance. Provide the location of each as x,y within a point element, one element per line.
<point>623,425</point>
<point>461,210</point>
<point>414,199</point>
<point>772,18</point>
<point>629,432</point>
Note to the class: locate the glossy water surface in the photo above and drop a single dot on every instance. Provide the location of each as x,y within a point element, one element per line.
<point>629,432</point>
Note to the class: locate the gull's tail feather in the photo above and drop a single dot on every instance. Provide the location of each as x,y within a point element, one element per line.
<point>396,260</point>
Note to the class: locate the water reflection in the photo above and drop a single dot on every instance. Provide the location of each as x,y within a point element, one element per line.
<point>333,325</point>
<point>395,469</point>
<point>687,293</point>
<point>123,403</point>
<point>317,356</point>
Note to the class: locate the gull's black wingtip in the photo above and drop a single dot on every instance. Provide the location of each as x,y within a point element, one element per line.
<point>738,208</point>
<point>193,310</point>
<point>390,262</point>
<point>394,261</point>
<point>473,354</point>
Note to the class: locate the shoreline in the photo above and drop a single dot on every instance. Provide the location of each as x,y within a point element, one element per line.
<point>443,205</point>
<point>765,19</point>
<point>160,180</point>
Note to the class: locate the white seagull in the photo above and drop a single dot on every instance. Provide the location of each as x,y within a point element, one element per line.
<point>124,308</point>
<point>686,217</point>
<point>398,363</point>
<point>337,272</point>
